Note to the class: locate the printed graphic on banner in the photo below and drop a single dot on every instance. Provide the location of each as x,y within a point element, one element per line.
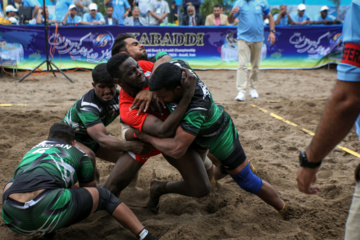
<point>203,47</point>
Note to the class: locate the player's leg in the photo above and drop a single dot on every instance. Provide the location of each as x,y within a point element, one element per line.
<point>103,199</point>
<point>112,156</point>
<point>195,181</point>
<point>108,155</point>
<point>229,150</point>
<point>248,181</point>
<point>122,174</point>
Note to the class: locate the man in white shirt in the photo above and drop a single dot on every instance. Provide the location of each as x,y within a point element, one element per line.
<point>159,10</point>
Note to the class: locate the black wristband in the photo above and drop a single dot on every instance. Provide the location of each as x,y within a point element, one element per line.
<point>305,163</point>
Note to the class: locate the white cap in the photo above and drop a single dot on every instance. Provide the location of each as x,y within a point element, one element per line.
<point>93,6</point>
<point>10,8</point>
<point>72,6</point>
<point>324,8</point>
<point>301,7</point>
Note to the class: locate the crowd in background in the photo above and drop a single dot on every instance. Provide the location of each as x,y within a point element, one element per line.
<point>148,13</point>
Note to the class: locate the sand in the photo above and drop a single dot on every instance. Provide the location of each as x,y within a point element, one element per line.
<point>298,96</point>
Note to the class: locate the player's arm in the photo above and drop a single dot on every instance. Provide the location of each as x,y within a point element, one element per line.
<point>85,172</point>
<point>167,128</point>
<point>174,147</point>
<point>90,184</point>
<point>339,116</point>
<point>99,134</point>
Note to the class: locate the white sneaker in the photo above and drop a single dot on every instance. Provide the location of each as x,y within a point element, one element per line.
<point>253,93</point>
<point>240,96</point>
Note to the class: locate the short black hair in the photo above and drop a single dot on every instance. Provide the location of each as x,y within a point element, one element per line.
<point>63,132</point>
<point>167,76</point>
<point>120,44</point>
<point>114,63</point>
<point>216,6</point>
<point>101,75</point>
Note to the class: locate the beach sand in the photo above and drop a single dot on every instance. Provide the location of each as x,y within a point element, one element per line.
<point>228,212</point>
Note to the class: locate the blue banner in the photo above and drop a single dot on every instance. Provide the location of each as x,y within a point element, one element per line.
<point>203,47</point>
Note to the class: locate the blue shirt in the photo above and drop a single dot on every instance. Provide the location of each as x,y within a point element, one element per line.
<point>119,9</point>
<point>76,19</point>
<point>328,18</point>
<point>98,17</point>
<point>61,8</point>
<point>283,20</point>
<point>296,18</point>
<point>351,34</point>
<point>30,3</point>
<point>250,15</point>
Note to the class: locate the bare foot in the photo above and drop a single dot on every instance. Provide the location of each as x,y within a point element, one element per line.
<point>157,188</point>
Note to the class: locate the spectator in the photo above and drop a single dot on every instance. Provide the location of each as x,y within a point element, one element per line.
<point>10,12</point>
<point>192,18</point>
<point>29,3</point>
<point>40,17</point>
<point>250,37</point>
<point>121,9</point>
<point>61,8</point>
<point>216,18</point>
<point>195,3</point>
<point>283,17</point>
<point>135,19</point>
<point>324,17</point>
<point>71,17</point>
<point>93,17</point>
<point>159,9</point>
<point>82,6</point>
<point>174,12</point>
<point>144,7</point>
<point>300,18</point>
<point>109,20</point>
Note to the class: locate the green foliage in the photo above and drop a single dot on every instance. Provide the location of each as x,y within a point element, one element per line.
<point>207,6</point>
<point>274,11</point>
<point>101,6</point>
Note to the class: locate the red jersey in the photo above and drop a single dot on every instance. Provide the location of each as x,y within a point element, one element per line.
<point>131,118</point>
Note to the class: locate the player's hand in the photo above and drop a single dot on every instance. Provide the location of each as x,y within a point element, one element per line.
<point>188,81</point>
<point>142,101</point>
<point>235,10</point>
<point>305,177</point>
<point>272,38</point>
<point>140,135</point>
<point>157,105</point>
<point>140,148</point>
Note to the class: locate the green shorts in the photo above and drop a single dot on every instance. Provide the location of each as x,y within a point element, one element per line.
<point>50,210</point>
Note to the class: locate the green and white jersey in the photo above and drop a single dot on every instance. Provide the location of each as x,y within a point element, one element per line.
<point>206,120</point>
<point>89,111</point>
<point>51,164</point>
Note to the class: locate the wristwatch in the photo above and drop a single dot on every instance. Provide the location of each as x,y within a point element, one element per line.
<point>305,163</point>
<point>273,31</point>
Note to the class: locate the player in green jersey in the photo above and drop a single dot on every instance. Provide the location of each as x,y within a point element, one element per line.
<point>40,197</point>
<point>210,127</point>
<point>90,115</point>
